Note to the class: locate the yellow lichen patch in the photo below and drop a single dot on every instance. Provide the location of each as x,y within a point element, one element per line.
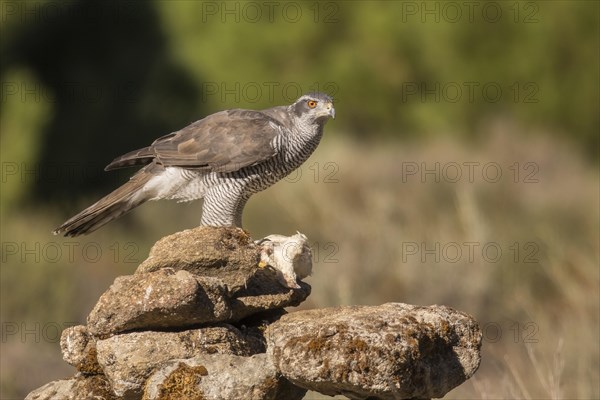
<point>98,387</point>
<point>317,344</point>
<point>445,329</point>
<point>358,345</point>
<point>233,238</point>
<point>90,366</point>
<point>182,384</point>
<point>201,370</point>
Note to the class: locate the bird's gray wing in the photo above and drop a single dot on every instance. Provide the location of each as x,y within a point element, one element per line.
<point>225,141</point>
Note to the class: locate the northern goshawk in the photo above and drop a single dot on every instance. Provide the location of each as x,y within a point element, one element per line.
<point>224,158</point>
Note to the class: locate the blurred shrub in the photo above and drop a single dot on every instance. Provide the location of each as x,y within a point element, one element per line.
<point>401,68</point>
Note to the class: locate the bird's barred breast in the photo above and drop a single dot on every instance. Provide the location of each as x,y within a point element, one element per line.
<point>256,178</point>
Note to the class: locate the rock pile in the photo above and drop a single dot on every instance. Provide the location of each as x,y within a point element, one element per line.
<point>204,318</point>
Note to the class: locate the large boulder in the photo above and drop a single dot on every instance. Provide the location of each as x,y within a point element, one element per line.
<point>158,300</point>
<point>392,351</point>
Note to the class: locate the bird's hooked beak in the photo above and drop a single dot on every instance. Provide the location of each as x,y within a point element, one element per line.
<point>330,109</point>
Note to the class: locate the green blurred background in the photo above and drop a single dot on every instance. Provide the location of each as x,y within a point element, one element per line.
<point>425,93</point>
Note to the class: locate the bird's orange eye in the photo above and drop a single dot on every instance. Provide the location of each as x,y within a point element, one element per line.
<point>311,103</point>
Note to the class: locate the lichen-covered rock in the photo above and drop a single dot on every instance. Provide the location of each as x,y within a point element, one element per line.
<point>78,348</point>
<point>178,299</point>
<point>392,351</point>
<point>156,300</point>
<point>128,359</point>
<point>220,377</point>
<point>77,388</point>
<point>226,253</point>
<point>165,332</point>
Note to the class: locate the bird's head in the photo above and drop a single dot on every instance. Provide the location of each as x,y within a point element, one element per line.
<point>314,108</point>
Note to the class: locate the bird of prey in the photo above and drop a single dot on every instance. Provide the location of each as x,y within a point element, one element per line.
<point>223,158</point>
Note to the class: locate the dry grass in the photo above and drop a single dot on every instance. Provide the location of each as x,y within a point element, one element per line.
<point>538,307</point>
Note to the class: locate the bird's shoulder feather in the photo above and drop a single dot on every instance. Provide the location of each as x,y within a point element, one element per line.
<point>225,141</point>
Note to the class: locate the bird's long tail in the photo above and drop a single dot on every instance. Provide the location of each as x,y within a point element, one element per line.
<point>112,206</point>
